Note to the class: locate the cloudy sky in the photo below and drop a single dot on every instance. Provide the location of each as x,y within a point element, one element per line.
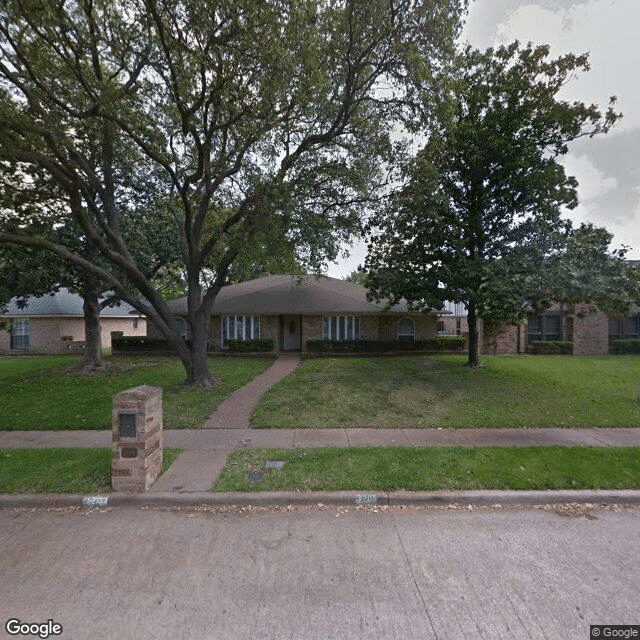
<point>607,167</point>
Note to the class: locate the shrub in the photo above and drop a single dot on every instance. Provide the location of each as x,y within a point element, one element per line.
<point>248,346</point>
<point>630,345</point>
<point>139,343</point>
<point>454,343</point>
<point>551,347</point>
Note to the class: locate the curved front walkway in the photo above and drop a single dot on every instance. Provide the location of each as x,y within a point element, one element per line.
<point>235,411</point>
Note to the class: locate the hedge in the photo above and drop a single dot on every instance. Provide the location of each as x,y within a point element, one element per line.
<point>139,343</point>
<point>551,347</point>
<point>144,343</point>
<point>247,346</point>
<point>630,345</point>
<point>383,346</point>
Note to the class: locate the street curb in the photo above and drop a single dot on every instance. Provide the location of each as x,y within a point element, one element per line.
<point>337,498</point>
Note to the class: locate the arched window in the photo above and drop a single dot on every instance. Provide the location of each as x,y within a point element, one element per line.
<point>406,330</point>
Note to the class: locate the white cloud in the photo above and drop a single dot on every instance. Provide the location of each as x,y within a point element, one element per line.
<point>592,182</point>
<point>607,29</point>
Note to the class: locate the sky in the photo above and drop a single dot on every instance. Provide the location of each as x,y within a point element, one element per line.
<point>607,167</point>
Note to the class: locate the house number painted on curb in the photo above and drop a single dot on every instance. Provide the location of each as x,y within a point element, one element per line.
<point>363,498</point>
<point>95,501</point>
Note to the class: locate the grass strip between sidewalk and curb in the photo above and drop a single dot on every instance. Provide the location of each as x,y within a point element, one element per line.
<point>61,470</point>
<point>432,469</point>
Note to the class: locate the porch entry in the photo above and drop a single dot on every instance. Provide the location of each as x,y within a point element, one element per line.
<point>291,333</point>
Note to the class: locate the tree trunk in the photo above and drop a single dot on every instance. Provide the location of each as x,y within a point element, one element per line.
<point>474,344</point>
<point>92,330</point>
<point>198,374</point>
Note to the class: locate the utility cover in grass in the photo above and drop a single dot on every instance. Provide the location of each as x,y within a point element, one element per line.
<point>255,476</point>
<point>275,464</point>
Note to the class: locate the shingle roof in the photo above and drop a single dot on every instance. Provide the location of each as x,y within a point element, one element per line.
<point>287,294</point>
<point>62,303</point>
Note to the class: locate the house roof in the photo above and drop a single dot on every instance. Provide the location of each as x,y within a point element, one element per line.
<point>287,294</point>
<point>62,303</point>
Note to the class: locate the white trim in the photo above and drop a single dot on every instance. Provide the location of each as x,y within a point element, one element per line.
<point>413,324</point>
<point>240,322</point>
<point>340,328</point>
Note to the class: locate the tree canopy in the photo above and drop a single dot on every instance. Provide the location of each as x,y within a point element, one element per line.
<point>243,118</point>
<point>480,214</point>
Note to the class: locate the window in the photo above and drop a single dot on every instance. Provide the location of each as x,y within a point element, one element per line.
<point>440,327</point>
<point>630,327</point>
<point>20,334</point>
<point>544,327</point>
<point>407,330</point>
<point>624,329</point>
<point>135,323</point>
<point>182,326</point>
<point>341,328</point>
<point>240,328</point>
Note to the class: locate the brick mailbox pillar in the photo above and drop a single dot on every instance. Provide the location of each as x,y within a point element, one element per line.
<point>137,438</point>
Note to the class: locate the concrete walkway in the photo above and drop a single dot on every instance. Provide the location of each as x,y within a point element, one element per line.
<point>236,410</point>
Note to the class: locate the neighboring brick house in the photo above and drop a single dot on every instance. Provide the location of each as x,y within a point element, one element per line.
<point>452,321</point>
<point>591,332</point>
<point>55,324</point>
<point>291,310</point>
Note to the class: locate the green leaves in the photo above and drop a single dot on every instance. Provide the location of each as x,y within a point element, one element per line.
<point>480,216</point>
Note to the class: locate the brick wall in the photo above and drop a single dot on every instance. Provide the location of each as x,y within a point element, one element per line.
<point>449,325</point>
<point>311,329</point>
<point>387,328</point>
<point>425,327</point>
<point>370,327</point>
<point>126,325</point>
<point>46,334</point>
<point>590,333</point>
<point>506,340</point>
<point>5,341</point>
<point>270,330</point>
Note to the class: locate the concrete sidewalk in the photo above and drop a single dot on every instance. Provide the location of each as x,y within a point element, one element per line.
<point>206,450</point>
<point>231,439</point>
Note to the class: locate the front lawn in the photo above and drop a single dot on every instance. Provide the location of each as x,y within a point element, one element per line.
<point>43,393</point>
<point>432,469</point>
<point>437,391</point>
<point>61,470</point>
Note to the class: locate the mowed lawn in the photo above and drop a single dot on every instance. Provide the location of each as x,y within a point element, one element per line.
<point>437,391</point>
<point>42,392</point>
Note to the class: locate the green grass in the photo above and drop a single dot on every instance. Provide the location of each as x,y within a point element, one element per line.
<point>40,393</point>
<point>437,391</point>
<point>12,367</point>
<point>60,470</point>
<point>434,468</point>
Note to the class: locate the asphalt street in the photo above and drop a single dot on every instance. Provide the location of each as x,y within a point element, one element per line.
<point>320,572</point>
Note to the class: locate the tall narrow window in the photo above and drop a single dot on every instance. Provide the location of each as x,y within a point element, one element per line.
<point>341,328</point>
<point>240,328</point>
<point>21,335</point>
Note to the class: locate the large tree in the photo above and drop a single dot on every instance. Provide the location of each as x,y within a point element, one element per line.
<point>38,203</point>
<point>480,214</point>
<point>255,116</point>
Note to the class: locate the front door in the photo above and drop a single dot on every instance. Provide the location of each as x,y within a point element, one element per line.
<point>291,333</point>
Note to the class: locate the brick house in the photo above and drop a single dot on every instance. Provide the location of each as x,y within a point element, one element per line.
<point>54,324</point>
<point>291,310</point>
<point>591,333</point>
